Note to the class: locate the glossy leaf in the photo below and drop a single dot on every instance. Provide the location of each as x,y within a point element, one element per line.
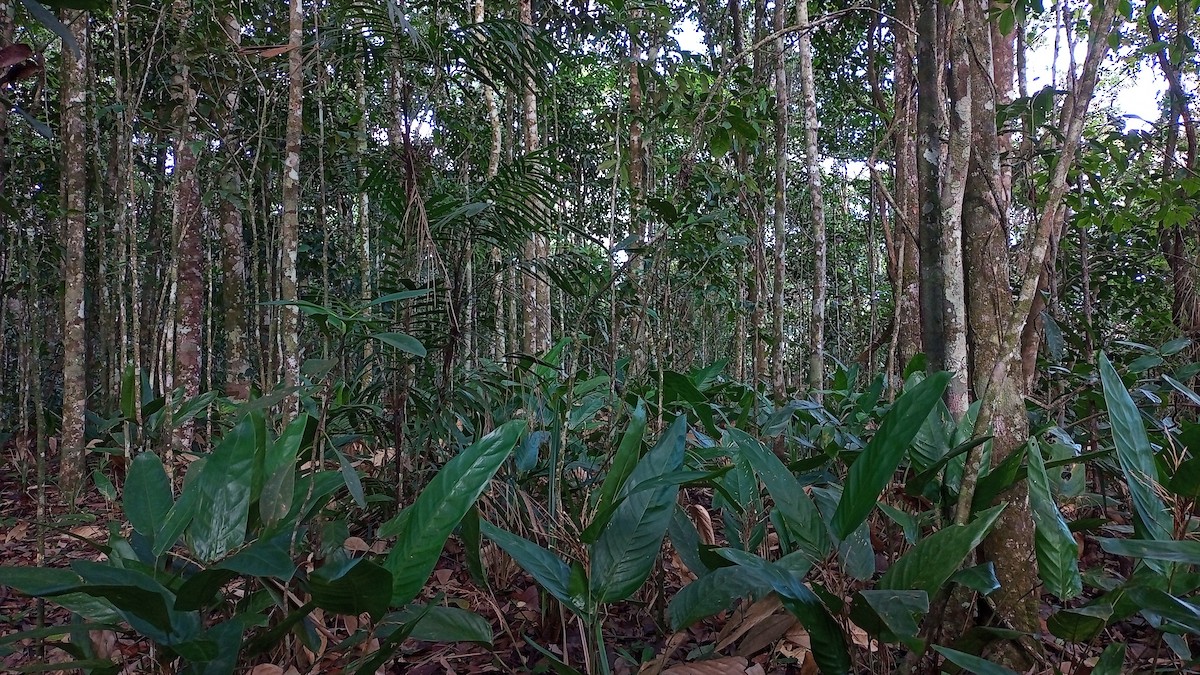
<point>352,589</point>
<point>1112,660</point>
<point>546,568</point>
<point>828,643</point>
<point>709,594</point>
<point>972,663</point>
<point>279,469</point>
<point>223,492</point>
<point>625,458</point>
<point>628,546</point>
<point>935,558</point>
<point>403,342</point>
<point>443,503</point>
<point>1172,550</point>
<point>876,466</point>
<point>445,624</point>
<point>1055,547</point>
<point>1134,454</point>
<point>147,494</point>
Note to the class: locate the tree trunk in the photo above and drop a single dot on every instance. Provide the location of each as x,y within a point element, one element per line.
<point>907,212</point>
<point>187,226</point>
<point>289,227</point>
<point>74,186</point>
<point>812,158</point>
<point>233,260</point>
<point>537,248</point>
<point>778,347</point>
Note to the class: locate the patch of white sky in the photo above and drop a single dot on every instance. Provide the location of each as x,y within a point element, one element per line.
<point>1133,91</point>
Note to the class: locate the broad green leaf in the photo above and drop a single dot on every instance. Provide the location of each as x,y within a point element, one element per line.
<point>801,515</point>
<point>129,393</point>
<point>686,541</point>
<point>1185,482</point>
<point>627,548</point>
<point>979,578</point>
<point>1081,624</point>
<point>402,341</point>
<point>625,458</point>
<point>351,589</point>
<point>279,469</point>
<point>223,491</point>
<point>855,551</point>
<point>1171,550</point>
<point>269,558</point>
<point>40,581</point>
<point>402,295</point>
<point>892,615</point>
<point>142,601</point>
<point>1134,454</point>
<point>1055,547</point>
<point>353,481</point>
<point>546,568</point>
<point>935,558</point>
<point>873,469</point>
<point>1112,660</point>
<point>181,513</point>
<point>440,507</point>
<point>147,495</point>
<point>1167,606</point>
<point>443,624</point>
<point>709,594</point>
<point>828,643</point>
<point>972,663</point>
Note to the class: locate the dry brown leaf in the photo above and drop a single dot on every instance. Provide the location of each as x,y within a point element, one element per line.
<point>703,521</point>
<point>765,634</point>
<point>16,533</point>
<point>744,620</point>
<point>104,643</point>
<point>266,669</point>
<point>654,666</point>
<point>355,545</point>
<point>726,665</point>
<point>862,639</point>
<point>443,576</point>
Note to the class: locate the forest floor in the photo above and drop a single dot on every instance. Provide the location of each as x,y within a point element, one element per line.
<point>757,640</point>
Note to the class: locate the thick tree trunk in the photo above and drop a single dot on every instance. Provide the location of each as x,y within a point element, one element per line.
<point>289,227</point>
<point>74,233</point>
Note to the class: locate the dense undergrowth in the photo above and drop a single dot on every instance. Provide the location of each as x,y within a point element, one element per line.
<point>838,514</point>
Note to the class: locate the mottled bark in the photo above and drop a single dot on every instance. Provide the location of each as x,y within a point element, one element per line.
<point>954,177</point>
<point>778,346</point>
<point>74,235</point>
<point>537,248</point>
<point>233,258</point>
<point>500,343</point>
<point>930,63</point>
<point>812,159</point>
<point>637,189</point>
<point>289,227</point>
<point>907,281</point>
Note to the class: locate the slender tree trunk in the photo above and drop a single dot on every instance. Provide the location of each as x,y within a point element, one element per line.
<point>907,212</point>
<point>233,258</point>
<point>637,188</point>
<point>188,225</point>
<point>778,347</point>
<point>537,248</point>
<point>74,232</point>
<point>816,197</point>
<point>289,227</point>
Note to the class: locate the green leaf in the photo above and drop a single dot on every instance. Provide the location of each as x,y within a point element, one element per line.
<point>1056,549</point>
<point>935,558</point>
<point>1081,624</point>
<point>443,624</point>
<point>979,578</point>
<point>802,517</point>
<point>442,505</point>
<point>893,615</point>
<point>828,643</point>
<point>625,458</point>
<point>1167,606</point>
<point>1112,660</point>
<point>873,470</point>
<point>147,495</point>
<point>1134,454</point>
<point>142,600</point>
<point>1172,550</point>
<point>972,663</point>
<point>351,589</point>
<point>39,581</point>
<point>1185,482</point>
<point>709,594</point>
<point>353,482</point>
<point>546,568</point>
<point>402,341</point>
<point>47,19</point>
<point>628,546</point>
<point>402,295</point>
<point>223,491</point>
<point>279,469</point>
<point>129,393</point>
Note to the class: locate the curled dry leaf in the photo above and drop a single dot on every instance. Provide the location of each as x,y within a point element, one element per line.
<point>266,669</point>
<point>746,618</point>
<point>703,521</point>
<point>726,665</point>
